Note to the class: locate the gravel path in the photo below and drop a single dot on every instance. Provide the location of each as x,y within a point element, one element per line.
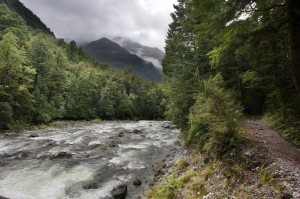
<point>273,145</point>
<point>284,158</point>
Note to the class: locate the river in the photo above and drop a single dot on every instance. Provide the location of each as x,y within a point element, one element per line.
<point>83,161</point>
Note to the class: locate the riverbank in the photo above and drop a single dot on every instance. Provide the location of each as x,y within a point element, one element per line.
<point>53,124</point>
<point>263,166</point>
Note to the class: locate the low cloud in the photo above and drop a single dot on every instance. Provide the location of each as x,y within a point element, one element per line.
<point>144,21</point>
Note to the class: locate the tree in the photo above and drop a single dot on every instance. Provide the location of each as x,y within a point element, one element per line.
<point>41,57</point>
<point>293,9</point>
<point>10,19</point>
<point>15,78</point>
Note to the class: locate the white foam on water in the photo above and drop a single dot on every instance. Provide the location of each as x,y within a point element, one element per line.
<point>96,193</point>
<point>135,165</point>
<point>37,183</point>
<point>123,157</point>
<point>140,145</point>
<point>40,178</point>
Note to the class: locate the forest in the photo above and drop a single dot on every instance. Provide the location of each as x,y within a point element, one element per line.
<point>44,79</point>
<point>229,58</point>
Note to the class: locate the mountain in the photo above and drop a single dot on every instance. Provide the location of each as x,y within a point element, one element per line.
<point>30,18</point>
<point>107,51</point>
<point>153,55</point>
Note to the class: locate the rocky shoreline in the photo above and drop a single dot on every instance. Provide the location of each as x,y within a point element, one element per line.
<point>251,171</point>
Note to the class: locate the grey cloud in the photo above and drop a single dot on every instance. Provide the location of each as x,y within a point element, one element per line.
<point>144,21</point>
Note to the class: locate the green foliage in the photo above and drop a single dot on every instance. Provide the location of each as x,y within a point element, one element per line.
<point>214,119</point>
<point>264,177</point>
<point>10,19</point>
<point>5,114</point>
<point>43,79</point>
<point>169,190</point>
<point>181,164</point>
<point>285,120</point>
<point>247,44</point>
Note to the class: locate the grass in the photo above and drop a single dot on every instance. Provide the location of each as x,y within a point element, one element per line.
<point>181,164</point>
<point>234,175</point>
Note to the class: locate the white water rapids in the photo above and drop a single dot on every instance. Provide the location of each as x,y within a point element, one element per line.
<point>60,162</point>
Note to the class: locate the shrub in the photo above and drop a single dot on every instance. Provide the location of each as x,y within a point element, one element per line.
<point>214,119</point>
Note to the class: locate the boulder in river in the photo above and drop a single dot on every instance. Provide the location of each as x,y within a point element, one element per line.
<point>33,135</point>
<point>61,155</point>
<point>122,133</point>
<point>169,126</point>
<point>119,192</point>
<point>137,131</point>
<point>137,182</point>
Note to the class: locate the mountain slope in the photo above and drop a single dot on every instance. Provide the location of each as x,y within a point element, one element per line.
<point>153,55</point>
<point>30,18</point>
<point>107,51</point>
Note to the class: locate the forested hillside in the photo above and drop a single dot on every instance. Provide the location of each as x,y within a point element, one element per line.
<point>43,78</point>
<point>109,52</point>
<point>226,57</point>
<point>30,18</point>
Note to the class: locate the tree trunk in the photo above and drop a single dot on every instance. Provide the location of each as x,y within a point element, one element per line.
<point>293,10</point>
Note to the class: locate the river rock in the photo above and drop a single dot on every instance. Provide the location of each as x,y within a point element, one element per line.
<point>119,192</point>
<point>87,139</point>
<point>33,135</point>
<point>137,131</point>
<point>159,166</point>
<point>177,143</point>
<point>90,185</point>
<point>122,133</point>
<point>61,155</point>
<point>1,197</point>
<point>137,182</point>
<point>113,144</point>
<point>22,154</point>
<point>167,126</point>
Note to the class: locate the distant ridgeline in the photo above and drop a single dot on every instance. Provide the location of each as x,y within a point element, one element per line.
<point>43,78</point>
<point>107,51</point>
<point>154,55</point>
<point>30,18</point>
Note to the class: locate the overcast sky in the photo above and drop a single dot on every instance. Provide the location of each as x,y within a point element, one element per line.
<point>144,21</point>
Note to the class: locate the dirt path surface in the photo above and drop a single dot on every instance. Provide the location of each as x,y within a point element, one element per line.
<point>272,145</point>
<point>270,142</point>
<point>281,157</point>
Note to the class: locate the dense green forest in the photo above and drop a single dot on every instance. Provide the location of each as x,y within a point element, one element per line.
<point>224,58</point>
<point>43,78</point>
